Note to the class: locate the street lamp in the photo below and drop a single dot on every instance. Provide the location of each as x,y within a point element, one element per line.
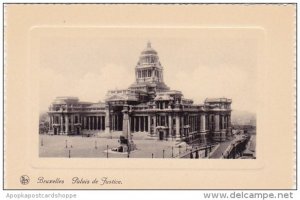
<point>107,151</point>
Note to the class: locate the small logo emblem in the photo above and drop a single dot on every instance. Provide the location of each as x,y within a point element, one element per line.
<point>24,180</point>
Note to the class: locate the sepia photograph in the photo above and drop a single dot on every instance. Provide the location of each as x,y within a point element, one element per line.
<point>111,98</point>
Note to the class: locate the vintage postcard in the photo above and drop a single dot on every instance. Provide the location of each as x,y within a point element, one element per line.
<point>125,96</point>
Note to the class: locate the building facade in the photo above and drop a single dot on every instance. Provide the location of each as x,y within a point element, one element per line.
<point>148,105</point>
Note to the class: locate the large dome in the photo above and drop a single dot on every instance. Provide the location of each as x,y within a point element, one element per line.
<point>148,57</point>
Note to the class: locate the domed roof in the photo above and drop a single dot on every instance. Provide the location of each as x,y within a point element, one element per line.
<point>148,50</point>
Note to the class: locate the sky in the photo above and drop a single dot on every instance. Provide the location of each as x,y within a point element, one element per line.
<point>215,63</point>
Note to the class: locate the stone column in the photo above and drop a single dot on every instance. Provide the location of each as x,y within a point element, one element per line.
<point>90,123</point>
<point>134,124</point>
<point>149,123</point>
<point>177,127</point>
<point>67,124</point>
<point>222,122</point>
<point>87,122</point>
<point>103,123</point>
<point>182,124</point>
<point>140,123</point>
<point>100,122</point>
<point>193,122</point>
<point>192,129</point>
<point>97,122</point>
<point>144,123</point>
<point>113,122</point>
<point>73,122</point>
<point>50,123</point>
<point>217,128</point>
<point>117,122</point>
<point>223,131</point>
<point>228,126</point>
<point>203,123</point>
<point>83,123</point>
<point>154,124</point>
<point>61,124</point>
<point>97,128</point>
<point>217,122</point>
<point>170,125</point>
<point>107,122</point>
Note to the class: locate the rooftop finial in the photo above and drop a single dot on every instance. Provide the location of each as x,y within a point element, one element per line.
<point>148,44</point>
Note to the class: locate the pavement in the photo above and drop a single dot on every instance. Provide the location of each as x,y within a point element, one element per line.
<point>96,147</point>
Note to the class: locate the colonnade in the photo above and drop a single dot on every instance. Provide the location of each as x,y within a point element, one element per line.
<point>93,122</point>
<point>139,123</point>
<point>175,123</point>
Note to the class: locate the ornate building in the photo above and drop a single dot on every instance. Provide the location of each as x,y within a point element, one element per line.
<point>148,105</point>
